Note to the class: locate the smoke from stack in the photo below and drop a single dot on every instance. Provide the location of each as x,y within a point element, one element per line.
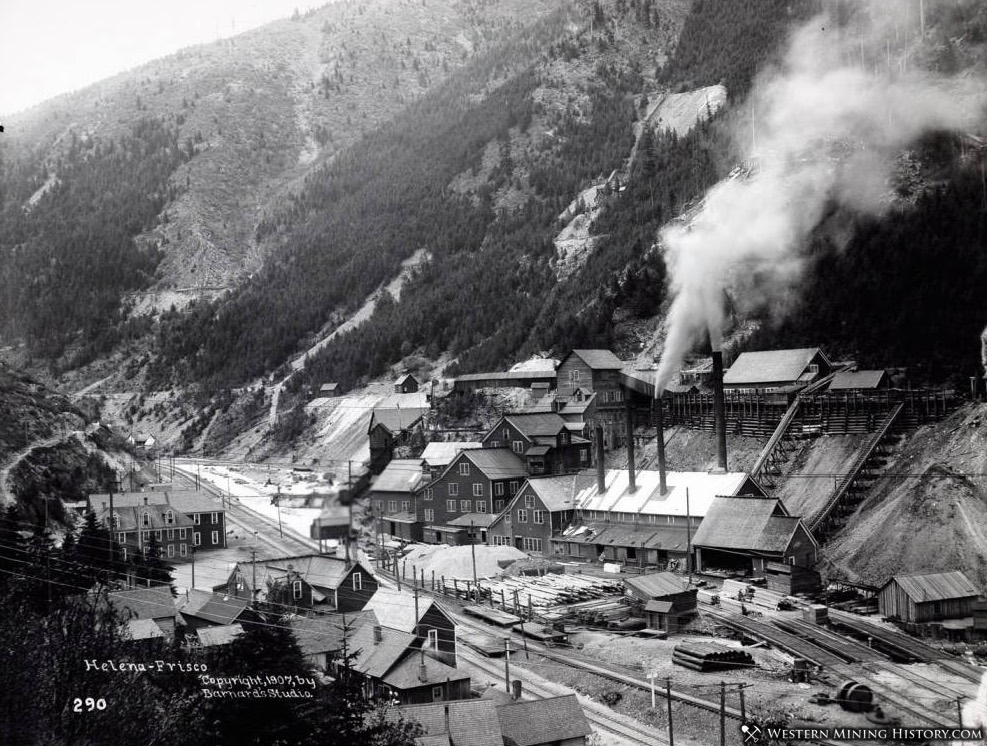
<point>826,127</point>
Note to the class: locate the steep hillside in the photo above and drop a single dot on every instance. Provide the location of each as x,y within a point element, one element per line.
<point>931,500</point>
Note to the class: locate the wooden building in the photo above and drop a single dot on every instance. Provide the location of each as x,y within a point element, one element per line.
<point>464,723</point>
<point>746,533</point>
<point>859,380</point>
<point>554,721</point>
<point>542,508</point>
<point>667,601</point>
<point>329,390</point>
<point>545,442</point>
<point>439,454</point>
<point>503,379</point>
<point>406,384</point>
<point>596,371</point>
<point>178,519</point>
<point>774,370</point>
<point>393,497</point>
<point>927,597</point>
<point>200,609</point>
<point>433,628</point>
<point>147,604</point>
<point>391,427</point>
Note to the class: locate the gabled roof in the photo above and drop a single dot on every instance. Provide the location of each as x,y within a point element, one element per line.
<point>183,501</point>
<point>407,673</point>
<point>480,520</point>
<point>324,634</point>
<point>131,518</point>
<point>662,607</point>
<point>746,523</point>
<point>702,488</point>
<point>935,586</point>
<point>645,536</point>
<point>770,366</point>
<point>405,378</point>
<point>471,722</point>
<point>542,721</point>
<point>439,453</point>
<point>496,463</point>
<point>144,629</point>
<point>535,424</point>
<point>189,501</point>
<point>376,659</point>
<point>217,608</point>
<point>396,610</point>
<point>558,493</point>
<point>857,379</point>
<point>658,585</point>
<point>600,359</point>
<point>328,387</point>
<point>400,475</point>
<point>397,419</point>
<point>145,603</point>
<point>317,570</point>
<point>210,636</point>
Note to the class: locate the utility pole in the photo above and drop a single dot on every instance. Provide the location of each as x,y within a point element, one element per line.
<point>473,552</point>
<point>507,663</point>
<point>723,713</point>
<point>193,567</point>
<point>253,566</point>
<point>688,536</point>
<point>278,503</point>
<point>668,696</point>
<point>743,706</point>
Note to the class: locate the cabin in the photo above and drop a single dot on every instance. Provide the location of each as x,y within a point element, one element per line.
<point>329,390</point>
<point>776,370</point>
<point>433,628</point>
<point>667,600</point>
<point>928,597</point>
<point>406,384</point>
<point>540,510</point>
<point>391,427</point>
<point>200,609</point>
<point>393,499</point>
<point>311,582</point>
<point>545,442</point>
<point>746,533</point>
<point>480,480</point>
<point>554,721</point>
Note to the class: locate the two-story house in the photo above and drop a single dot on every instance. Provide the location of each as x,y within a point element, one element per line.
<point>393,497</point>
<point>391,427</point>
<point>596,371</point>
<point>481,480</point>
<point>542,508</point>
<point>545,441</point>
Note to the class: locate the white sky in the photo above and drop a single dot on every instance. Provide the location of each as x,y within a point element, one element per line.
<point>48,47</point>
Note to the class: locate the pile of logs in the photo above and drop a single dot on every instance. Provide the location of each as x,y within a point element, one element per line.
<point>556,597</point>
<point>710,656</point>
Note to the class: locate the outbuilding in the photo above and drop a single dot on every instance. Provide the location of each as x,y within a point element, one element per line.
<point>927,597</point>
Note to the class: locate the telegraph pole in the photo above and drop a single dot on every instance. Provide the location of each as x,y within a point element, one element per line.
<point>507,663</point>
<point>473,552</point>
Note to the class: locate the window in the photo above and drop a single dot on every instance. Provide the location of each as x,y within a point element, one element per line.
<point>464,468</point>
<point>183,550</point>
<point>573,376</point>
<point>450,506</point>
<point>532,545</point>
<point>813,367</point>
<point>392,506</point>
<point>145,518</point>
<point>157,534</point>
<point>493,444</point>
<point>453,489</point>
<point>507,518</point>
<point>507,433</point>
<point>670,520</point>
<point>169,517</point>
<point>477,489</point>
<point>429,515</point>
<point>583,455</point>
<point>436,693</point>
<point>499,541</point>
<point>196,539</point>
<point>499,488</point>
<point>171,550</point>
<point>406,506</point>
<point>215,537</point>
<point>296,589</point>
<point>116,520</point>
<point>171,534</point>
<point>517,446</point>
<point>181,533</point>
<point>121,538</point>
<point>433,639</point>
<point>357,581</point>
<point>481,506</point>
<point>498,505</point>
<point>529,501</point>
<point>513,487</point>
<point>215,518</point>
<point>379,506</point>
<point>428,493</point>
<point>618,395</point>
<point>464,506</point>
<point>145,535</point>
<point>538,516</point>
<point>125,554</point>
<point>522,516</point>
<point>196,519</point>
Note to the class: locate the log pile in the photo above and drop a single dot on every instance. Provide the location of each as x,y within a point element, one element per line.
<point>554,598</point>
<point>710,656</point>
<point>753,596</point>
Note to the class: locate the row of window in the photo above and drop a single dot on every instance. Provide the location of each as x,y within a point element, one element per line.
<point>670,520</point>
<point>169,551</point>
<point>169,518</point>
<point>537,516</point>
<point>464,506</point>
<point>160,535</point>
<point>453,489</point>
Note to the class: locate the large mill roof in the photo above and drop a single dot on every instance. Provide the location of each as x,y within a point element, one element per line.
<point>770,366</point>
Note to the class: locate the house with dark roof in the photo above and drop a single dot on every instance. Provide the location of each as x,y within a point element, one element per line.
<point>746,533</point>
<point>927,597</point>
<point>177,518</point>
<point>153,604</point>
<point>859,380</point>
<point>321,638</point>
<point>545,441</point>
<point>199,609</point>
<point>425,618</point>
<point>463,723</point>
<point>394,667</point>
<point>406,384</point>
<point>599,372</point>
<point>776,370</point>
<point>544,722</point>
<point>312,582</point>
<point>541,509</point>
<point>478,480</point>
<point>666,599</point>
<point>577,408</point>
<point>391,427</point>
<point>393,499</point>
<point>210,637</point>
<point>329,390</point>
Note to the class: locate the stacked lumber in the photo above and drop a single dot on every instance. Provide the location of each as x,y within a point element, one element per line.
<point>710,656</point>
<point>554,597</point>
<point>752,595</point>
<point>712,598</point>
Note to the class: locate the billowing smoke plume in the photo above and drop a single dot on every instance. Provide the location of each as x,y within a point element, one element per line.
<point>825,128</point>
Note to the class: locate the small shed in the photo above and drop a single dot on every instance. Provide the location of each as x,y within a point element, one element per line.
<point>669,602</point>
<point>859,380</point>
<point>329,390</point>
<point>406,384</point>
<point>927,597</point>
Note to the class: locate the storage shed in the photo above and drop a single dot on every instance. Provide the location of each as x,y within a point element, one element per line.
<point>927,597</point>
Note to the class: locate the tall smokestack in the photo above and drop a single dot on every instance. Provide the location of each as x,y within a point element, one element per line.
<point>662,484</point>
<point>601,468</point>
<point>719,411</point>
<point>630,446</point>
